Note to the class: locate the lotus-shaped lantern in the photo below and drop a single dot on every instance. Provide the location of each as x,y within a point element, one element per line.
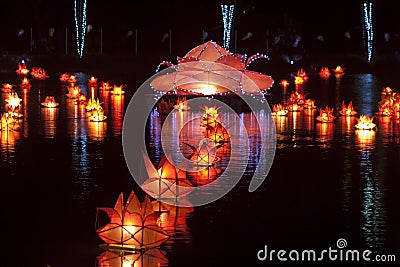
<point>326,115</point>
<point>210,117</point>
<point>365,123</point>
<point>7,88</point>
<point>13,102</point>
<point>92,82</point>
<point>25,83</point>
<point>64,77</point>
<point>105,86</point>
<point>385,110</point>
<point>338,71</point>
<point>284,83</point>
<point>279,110</point>
<point>310,104</point>
<point>22,70</point>
<point>8,122</point>
<point>74,91</point>
<point>97,115</point>
<point>72,80</point>
<point>117,89</point>
<point>167,181</point>
<point>217,133</point>
<point>49,102</point>
<point>348,110</point>
<point>93,105</point>
<point>205,154</point>
<point>132,226</point>
<point>181,104</point>
<point>325,73</point>
<point>82,99</point>
<point>39,73</point>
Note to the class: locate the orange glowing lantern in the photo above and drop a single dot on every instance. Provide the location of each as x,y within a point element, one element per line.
<point>105,86</point>
<point>72,80</point>
<point>297,98</point>
<point>279,110</point>
<point>64,77</point>
<point>49,102</point>
<point>13,102</point>
<point>217,133</point>
<point>73,91</point>
<point>97,115</point>
<point>326,115</point>
<point>82,99</point>
<point>210,118</point>
<point>302,73</point>
<point>8,122</point>
<point>117,90</point>
<point>22,70</point>
<point>181,104</point>
<point>205,155</point>
<point>284,84</point>
<point>325,73</point>
<point>39,73</point>
<point>298,80</point>
<point>310,104</point>
<point>132,226</point>
<point>387,91</point>
<point>92,82</point>
<point>338,71</point>
<point>7,88</point>
<point>166,182</point>
<point>93,105</point>
<point>348,110</point>
<point>385,110</point>
<point>365,123</point>
<point>25,83</point>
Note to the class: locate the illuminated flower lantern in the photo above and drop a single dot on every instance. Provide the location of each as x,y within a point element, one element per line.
<point>153,257</point>
<point>303,74</point>
<point>7,88</point>
<point>298,80</point>
<point>13,102</point>
<point>25,83</point>
<point>365,123</point>
<point>205,154</point>
<point>97,115</point>
<point>92,82</point>
<point>217,133</point>
<point>326,115</point>
<point>117,90</point>
<point>181,104</point>
<point>72,80</point>
<point>325,73</point>
<point>210,117</point>
<point>296,101</point>
<point>279,110</point>
<point>310,104</point>
<point>22,70</point>
<point>8,122</point>
<point>284,84</point>
<point>105,86</point>
<point>74,91</point>
<point>49,102</point>
<point>39,73</point>
<point>387,91</point>
<point>348,110</point>
<point>93,105</point>
<point>208,70</point>
<point>338,71</point>
<point>385,110</point>
<point>167,181</point>
<point>132,226</point>
<point>64,77</point>
<point>82,99</point>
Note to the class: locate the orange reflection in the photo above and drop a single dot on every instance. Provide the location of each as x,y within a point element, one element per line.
<point>97,129</point>
<point>325,132</point>
<point>25,99</point>
<point>49,116</point>
<point>148,258</point>
<point>365,137</point>
<point>117,113</point>
<point>173,219</point>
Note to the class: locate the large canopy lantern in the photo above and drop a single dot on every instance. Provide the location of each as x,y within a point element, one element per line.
<point>209,69</point>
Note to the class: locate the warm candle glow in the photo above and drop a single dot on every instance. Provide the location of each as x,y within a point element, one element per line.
<point>326,115</point>
<point>49,102</point>
<point>325,73</point>
<point>365,123</point>
<point>348,110</point>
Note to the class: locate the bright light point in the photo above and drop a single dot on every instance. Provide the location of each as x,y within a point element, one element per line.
<point>208,89</point>
<point>368,32</point>
<point>227,17</point>
<point>291,62</point>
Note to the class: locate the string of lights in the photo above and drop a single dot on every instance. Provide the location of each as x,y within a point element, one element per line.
<point>368,33</point>
<point>227,17</point>
<point>80,26</point>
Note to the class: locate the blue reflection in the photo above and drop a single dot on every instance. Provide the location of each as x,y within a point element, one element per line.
<point>366,87</point>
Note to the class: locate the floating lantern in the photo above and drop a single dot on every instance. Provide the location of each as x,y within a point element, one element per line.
<point>181,104</point>
<point>326,115</point>
<point>385,110</point>
<point>348,110</point>
<point>210,118</point>
<point>338,71</point>
<point>297,98</point>
<point>64,77</point>
<point>167,181</point>
<point>284,83</point>
<point>72,80</point>
<point>302,73</point>
<point>39,73</point>
<point>74,91</point>
<point>298,80</point>
<point>22,70</point>
<point>92,82</point>
<point>7,88</point>
<point>49,102</point>
<point>117,90</point>
<point>97,115</point>
<point>93,105</point>
<point>13,102</point>
<point>105,86</point>
<point>325,73</point>
<point>217,133</point>
<point>25,83</point>
<point>365,123</point>
<point>82,99</point>
<point>279,110</point>
<point>8,122</point>
<point>387,91</point>
<point>132,226</point>
<point>310,104</point>
<point>205,154</point>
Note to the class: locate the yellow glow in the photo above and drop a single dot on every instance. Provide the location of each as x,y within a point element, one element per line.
<point>284,83</point>
<point>365,123</point>
<point>208,89</point>
<point>117,90</point>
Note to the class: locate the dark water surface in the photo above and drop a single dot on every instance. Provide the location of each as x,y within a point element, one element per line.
<point>326,182</point>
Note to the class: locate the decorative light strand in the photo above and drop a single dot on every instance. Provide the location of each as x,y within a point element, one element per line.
<point>227,17</point>
<point>80,29</point>
<point>368,33</point>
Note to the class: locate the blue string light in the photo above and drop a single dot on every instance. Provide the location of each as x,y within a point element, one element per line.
<point>368,33</point>
<point>80,29</point>
<point>227,17</point>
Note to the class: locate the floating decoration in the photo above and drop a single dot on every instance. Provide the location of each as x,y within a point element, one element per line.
<point>385,110</point>
<point>25,83</point>
<point>7,88</point>
<point>39,73</point>
<point>64,77</point>
<point>8,122</point>
<point>181,104</point>
<point>279,110</point>
<point>205,154</point>
<point>105,86</point>
<point>74,91</point>
<point>167,181</point>
<point>13,101</point>
<point>72,80</point>
<point>132,226</point>
<point>297,98</point>
<point>326,115</point>
<point>93,105</point>
<point>338,71</point>
<point>92,82</point>
<point>365,123</point>
<point>310,104</point>
<point>22,69</point>
<point>348,110</point>
<point>298,80</point>
<point>210,118</point>
<point>117,90</point>
<point>325,73</point>
<point>387,91</point>
<point>97,115</point>
<point>82,99</point>
<point>217,133</point>
<point>284,84</point>
<point>49,102</point>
